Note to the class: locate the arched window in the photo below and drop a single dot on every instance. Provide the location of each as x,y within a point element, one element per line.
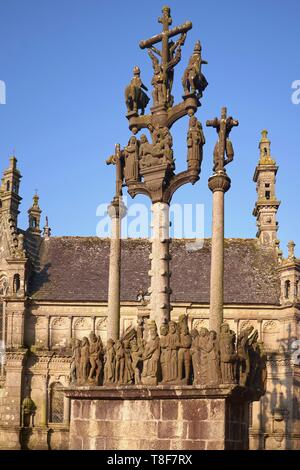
<point>7,185</point>
<point>287,289</point>
<point>56,414</point>
<point>16,283</point>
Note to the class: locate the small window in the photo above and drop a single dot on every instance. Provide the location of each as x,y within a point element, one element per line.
<point>16,283</point>
<point>268,195</point>
<point>267,185</point>
<point>56,404</point>
<point>287,289</point>
<point>7,185</point>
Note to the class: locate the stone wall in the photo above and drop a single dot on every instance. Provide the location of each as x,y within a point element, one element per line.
<point>158,418</point>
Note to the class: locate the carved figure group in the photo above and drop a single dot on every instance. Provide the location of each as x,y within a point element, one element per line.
<point>177,356</point>
<point>87,360</point>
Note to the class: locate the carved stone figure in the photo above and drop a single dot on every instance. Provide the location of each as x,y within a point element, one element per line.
<point>120,362</point>
<point>109,363</point>
<point>136,357</point>
<point>243,359</point>
<point>84,359</point>
<point>159,152</point>
<point>195,355</point>
<point>135,96</point>
<point>95,355</point>
<point>193,80</point>
<point>202,344</point>
<point>131,171</point>
<point>128,369</point>
<point>151,357</point>
<point>227,353</point>
<point>213,359</point>
<point>223,151</point>
<point>172,348</point>
<point>28,412</point>
<point>164,353</point>
<point>184,355</point>
<point>158,82</point>
<point>195,142</point>
<point>75,365</point>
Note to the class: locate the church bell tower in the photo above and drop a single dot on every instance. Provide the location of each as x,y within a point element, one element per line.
<point>267,205</point>
<point>9,192</point>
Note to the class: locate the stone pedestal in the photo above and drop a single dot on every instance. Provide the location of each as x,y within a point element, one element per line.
<point>159,418</point>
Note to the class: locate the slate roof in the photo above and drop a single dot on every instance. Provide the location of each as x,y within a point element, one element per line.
<point>76,269</point>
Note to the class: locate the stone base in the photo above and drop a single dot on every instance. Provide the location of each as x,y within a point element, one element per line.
<point>164,417</point>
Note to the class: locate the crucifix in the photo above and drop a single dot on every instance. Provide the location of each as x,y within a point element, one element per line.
<point>223,146</point>
<point>117,159</point>
<point>167,54</point>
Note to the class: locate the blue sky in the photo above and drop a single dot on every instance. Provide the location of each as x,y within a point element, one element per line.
<point>66,64</point>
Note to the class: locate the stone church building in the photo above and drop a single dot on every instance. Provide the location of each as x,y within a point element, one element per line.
<point>54,290</point>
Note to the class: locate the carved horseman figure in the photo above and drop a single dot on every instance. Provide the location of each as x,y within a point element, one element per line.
<point>135,96</point>
<point>193,80</point>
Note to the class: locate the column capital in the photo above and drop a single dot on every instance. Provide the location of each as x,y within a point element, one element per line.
<point>117,208</point>
<point>219,182</point>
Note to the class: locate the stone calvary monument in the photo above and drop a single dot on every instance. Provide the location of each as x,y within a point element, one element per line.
<point>159,385</point>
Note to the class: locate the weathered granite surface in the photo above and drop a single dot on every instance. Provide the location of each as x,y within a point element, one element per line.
<point>162,417</point>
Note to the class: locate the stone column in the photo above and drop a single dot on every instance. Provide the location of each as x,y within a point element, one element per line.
<point>116,211</point>
<point>219,183</point>
<point>160,257</point>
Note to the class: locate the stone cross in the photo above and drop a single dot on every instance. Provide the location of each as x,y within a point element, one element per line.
<point>223,127</point>
<point>164,36</point>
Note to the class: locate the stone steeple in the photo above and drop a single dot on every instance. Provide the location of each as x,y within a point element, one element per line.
<point>267,205</point>
<point>9,191</point>
<point>34,214</point>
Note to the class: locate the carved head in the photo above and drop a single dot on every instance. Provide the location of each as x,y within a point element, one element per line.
<point>184,329</point>
<point>163,330</point>
<point>84,341</point>
<point>203,332</point>
<point>93,337</point>
<point>172,327</point>
<point>213,335</point>
<point>225,328</point>
<point>136,70</point>
<point>110,343</point>
<point>143,139</point>
<point>194,333</point>
<point>193,121</point>
<point>132,140</point>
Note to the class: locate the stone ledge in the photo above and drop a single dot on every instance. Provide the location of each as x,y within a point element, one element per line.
<point>135,392</point>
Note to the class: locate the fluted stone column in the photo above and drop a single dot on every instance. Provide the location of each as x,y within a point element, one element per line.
<point>116,211</point>
<point>160,258</point>
<point>219,184</point>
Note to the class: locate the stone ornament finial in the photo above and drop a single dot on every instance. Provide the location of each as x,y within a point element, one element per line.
<point>265,149</point>
<point>291,251</point>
